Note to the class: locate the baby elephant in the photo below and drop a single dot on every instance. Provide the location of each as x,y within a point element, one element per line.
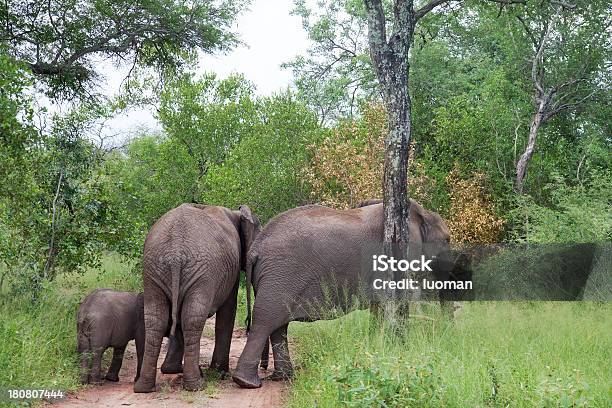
<point>108,318</point>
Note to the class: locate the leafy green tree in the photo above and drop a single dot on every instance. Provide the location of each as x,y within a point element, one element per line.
<point>18,136</point>
<point>265,169</point>
<point>336,73</point>
<point>57,221</point>
<point>203,119</point>
<point>61,40</point>
<point>570,60</point>
<point>17,130</point>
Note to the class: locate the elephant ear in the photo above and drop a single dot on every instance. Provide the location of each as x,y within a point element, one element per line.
<point>246,214</point>
<point>421,219</point>
<point>424,228</point>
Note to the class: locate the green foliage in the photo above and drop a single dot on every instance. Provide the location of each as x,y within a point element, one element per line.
<point>580,213</point>
<point>336,75</point>
<point>60,40</point>
<point>58,217</point>
<point>471,88</point>
<point>388,382</point>
<point>203,120</point>
<point>265,169</point>
<point>17,166</point>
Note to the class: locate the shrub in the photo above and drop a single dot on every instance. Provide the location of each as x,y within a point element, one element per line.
<point>581,213</point>
<point>472,217</point>
<point>381,382</point>
<point>347,167</point>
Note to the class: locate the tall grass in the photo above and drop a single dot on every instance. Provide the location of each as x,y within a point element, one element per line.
<point>38,340</point>
<point>494,354</point>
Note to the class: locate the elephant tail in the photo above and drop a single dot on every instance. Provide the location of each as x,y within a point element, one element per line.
<point>175,271</point>
<point>250,263</point>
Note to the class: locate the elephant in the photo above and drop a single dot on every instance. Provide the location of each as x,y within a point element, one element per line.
<point>296,254</point>
<point>107,318</point>
<point>191,264</point>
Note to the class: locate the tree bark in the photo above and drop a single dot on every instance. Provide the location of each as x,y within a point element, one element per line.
<point>523,162</point>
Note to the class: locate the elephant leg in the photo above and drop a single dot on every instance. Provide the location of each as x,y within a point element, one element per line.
<point>283,369</point>
<point>96,363</point>
<point>157,315</point>
<point>173,363</point>
<point>265,356</point>
<point>194,313</point>
<point>85,366</point>
<point>245,374</point>
<point>224,327</point>
<point>113,370</point>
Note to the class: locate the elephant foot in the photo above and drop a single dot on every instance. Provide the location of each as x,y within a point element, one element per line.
<point>193,385</point>
<point>243,381</point>
<point>172,368</point>
<point>279,375</point>
<point>142,386</point>
<point>112,377</point>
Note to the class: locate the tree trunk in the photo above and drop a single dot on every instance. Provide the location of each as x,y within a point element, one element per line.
<point>50,263</point>
<point>523,163</point>
<point>395,180</point>
<point>396,203</point>
<point>390,60</point>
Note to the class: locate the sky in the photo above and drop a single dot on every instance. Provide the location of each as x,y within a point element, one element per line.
<point>271,36</point>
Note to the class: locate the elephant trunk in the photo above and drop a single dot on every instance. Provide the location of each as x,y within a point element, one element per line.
<point>175,271</point>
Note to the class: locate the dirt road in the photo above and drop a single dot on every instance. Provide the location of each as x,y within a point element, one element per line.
<point>219,393</point>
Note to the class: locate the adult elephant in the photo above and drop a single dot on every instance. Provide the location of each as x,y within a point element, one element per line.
<point>192,260</point>
<point>308,259</point>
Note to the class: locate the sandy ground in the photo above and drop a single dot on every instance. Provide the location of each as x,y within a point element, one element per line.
<point>219,393</point>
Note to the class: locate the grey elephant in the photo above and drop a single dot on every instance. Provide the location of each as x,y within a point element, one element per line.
<point>292,259</point>
<point>107,318</point>
<point>191,264</point>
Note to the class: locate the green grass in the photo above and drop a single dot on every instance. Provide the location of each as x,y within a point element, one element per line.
<point>38,340</point>
<point>493,354</point>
